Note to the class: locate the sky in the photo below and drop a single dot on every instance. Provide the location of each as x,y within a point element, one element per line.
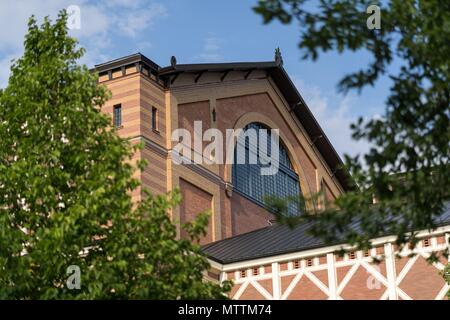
<point>197,31</point>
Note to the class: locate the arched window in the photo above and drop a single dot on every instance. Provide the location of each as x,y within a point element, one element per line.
<point>249,182</point>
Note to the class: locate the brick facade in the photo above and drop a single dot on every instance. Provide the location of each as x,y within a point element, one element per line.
<point>247,216</point>
<point>195,200</point>
<point>236,102</point>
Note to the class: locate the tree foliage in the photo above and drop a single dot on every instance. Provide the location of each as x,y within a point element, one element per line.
<point>65,184</point>
<point>407,169</point>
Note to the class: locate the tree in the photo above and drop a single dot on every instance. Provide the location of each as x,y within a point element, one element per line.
<point>65,184</point>
<point>407,170</point>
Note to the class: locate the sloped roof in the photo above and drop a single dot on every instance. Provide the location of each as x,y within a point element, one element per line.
<point>275,70</point>
<point>275,240</point>
<point>294,99</point>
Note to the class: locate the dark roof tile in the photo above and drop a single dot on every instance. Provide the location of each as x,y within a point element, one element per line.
<point>276,240</point>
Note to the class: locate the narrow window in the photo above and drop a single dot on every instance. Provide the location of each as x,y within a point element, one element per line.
<point>309,262</point>
<point>296,264</point>
<point>154,119</point>
<point>366,253</point>
<point>117,116</point>
<point>243,273</point>
<point>352,255</point>
<point>323,196</point>
<point>426,242</point>
<point>255,271</point>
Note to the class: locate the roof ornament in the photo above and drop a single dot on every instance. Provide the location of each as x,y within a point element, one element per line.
<point>278,57</point>
<point>173,61</point>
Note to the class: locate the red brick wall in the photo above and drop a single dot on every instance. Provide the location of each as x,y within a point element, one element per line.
<point>195,200</point>
<point>190,112</point>
<point>307,290</point>
<point>422,282</point>
<point>137,95</point>
<point>154,176</point>
<point>362,285</point>
<point>329,196</point>
<point>225,215</point>
<point>247,216</point>
<point>125,91</point>
<point>152,96</point>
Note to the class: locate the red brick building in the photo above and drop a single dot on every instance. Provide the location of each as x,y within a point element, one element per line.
<point>265,261</point>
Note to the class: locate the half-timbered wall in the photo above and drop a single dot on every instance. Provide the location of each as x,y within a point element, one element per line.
<point>321,274</point>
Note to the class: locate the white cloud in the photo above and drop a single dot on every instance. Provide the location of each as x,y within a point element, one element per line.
<point>334,114</point>
<point>95,22</point>
<point>211,49</point>
<point>124,3</point>
<point>137,20</point>
<point>101,22</point>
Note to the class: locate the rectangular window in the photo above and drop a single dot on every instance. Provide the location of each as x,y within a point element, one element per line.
<point>117,116</point>
<point>154,119</point>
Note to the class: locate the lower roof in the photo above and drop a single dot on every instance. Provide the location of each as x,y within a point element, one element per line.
<point>276,240</point>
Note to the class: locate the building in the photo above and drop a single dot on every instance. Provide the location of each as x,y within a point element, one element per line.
<point>268,261</point>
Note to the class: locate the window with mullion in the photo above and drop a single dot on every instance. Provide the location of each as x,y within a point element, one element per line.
<point>117,116</point>
<point>247,178</point>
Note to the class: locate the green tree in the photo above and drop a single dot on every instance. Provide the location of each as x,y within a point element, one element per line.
<point>407,169</point>
<point>65,184</point>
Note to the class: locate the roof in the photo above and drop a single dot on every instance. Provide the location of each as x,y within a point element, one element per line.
<point>275,240</point>
<point>125,61</point>
<point>284,83</point>
<point>217,67</point>
<point>292,96</point>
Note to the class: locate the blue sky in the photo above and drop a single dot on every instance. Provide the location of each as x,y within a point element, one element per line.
<point>204,31</point>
